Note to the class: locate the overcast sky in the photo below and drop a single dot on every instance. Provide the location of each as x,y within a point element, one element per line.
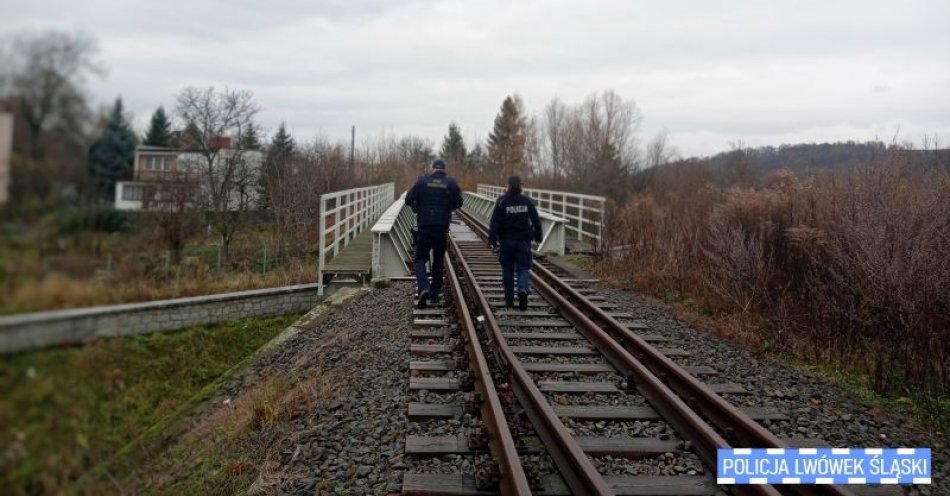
<point>712,73</point>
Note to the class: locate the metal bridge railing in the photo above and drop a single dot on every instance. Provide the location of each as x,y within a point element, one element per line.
<point>392,241</point>
<point>552,226</point>
<point>584,214</point>
<point>344,214</point>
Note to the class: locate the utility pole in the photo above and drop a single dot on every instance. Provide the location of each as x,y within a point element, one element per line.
<point>6,151</point>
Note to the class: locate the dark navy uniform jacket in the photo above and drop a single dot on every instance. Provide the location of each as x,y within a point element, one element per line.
<point>515,218</point>
<point>433,198</point>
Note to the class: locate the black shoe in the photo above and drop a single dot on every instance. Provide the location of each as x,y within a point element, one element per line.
<point>422,300</point>
<point>509,304</point>
<point>522,301</point>
<point>435,300</point>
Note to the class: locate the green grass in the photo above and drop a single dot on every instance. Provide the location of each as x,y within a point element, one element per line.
<point>65,411</point>
<point>930,411</point>
<point>585,262</point>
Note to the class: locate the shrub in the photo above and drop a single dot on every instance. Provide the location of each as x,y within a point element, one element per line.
<point>850,267</point>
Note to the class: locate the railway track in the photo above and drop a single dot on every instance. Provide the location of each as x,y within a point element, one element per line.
<point>571,396</point>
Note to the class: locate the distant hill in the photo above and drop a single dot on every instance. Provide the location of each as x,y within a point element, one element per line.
<point>811,156</point>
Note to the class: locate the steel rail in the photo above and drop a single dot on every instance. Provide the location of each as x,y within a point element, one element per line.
<point>576,469</point>
<point>738,426</point>
<point>744,431</point>
<point>501,443</point>
<point>670,406</point>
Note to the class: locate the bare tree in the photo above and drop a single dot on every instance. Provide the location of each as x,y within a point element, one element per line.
<point>659,151</point>
<point>216,125</point>
<point>171,201</point>
<point>295,178</point>
<point>327,162</point>
<point>43,76</point>
<point>294,193</point>
<point>46,73</point>
<point>415,151</point>
<point>739,168</point>
<point>555,133</point>
<point>593,145</point>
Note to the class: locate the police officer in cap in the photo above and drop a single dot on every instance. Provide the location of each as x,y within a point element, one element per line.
<point>432,198</point>
<point>514,223</point>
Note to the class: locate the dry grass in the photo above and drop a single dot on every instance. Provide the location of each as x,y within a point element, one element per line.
<point>130,284</point>
<point>225,450</point>
<point>848,268</point>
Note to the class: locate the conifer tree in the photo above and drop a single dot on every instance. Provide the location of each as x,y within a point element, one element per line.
<point>453,146</point>
<point>111,155</point>
<point>282,144</point>
<point>159,131</point>
<point>190,137</point>
<point>276,163</point>
<point>476,158</point>
<point>507,143</point>
<point>250,138</point>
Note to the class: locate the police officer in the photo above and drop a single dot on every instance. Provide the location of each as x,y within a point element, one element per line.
<point>514,223</point>
<point>432,198</point>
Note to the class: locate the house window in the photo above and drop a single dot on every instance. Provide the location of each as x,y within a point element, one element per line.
<point>133,192</point>
<point>158,162</point>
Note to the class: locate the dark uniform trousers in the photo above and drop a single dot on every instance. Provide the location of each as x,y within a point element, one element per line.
<point>514,223</point>
<point>430,239</point>
<point>515,256</point>
<point>432,198</point>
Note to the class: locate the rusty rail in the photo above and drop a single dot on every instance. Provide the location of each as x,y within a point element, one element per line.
<point>575,468</point>
<point>658,377</point>
<point>501,444</point>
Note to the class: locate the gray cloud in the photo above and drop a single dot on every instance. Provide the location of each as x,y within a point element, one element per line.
<point>710,72</point>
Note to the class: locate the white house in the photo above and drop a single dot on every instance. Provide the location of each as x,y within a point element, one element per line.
<point>152,163</point>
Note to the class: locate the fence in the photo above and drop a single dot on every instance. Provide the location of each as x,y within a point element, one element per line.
<point>552,227</point>
<point>392,240</point>
<point>584,214</point>
<point>344,214</point>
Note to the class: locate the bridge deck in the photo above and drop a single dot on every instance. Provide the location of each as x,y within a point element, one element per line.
<point>355,258</point>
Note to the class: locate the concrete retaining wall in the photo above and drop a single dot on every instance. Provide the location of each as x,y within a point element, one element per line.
<point>42,329</point>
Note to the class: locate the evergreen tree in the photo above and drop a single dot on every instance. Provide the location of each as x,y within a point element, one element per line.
<point>250,139</point>
<point>111,155</point>
<point>159,131</point>
<point>282,145</point>
<point>276,163</point>
<point>507,143</point>
<point>475,160</point>
<point>453,146</point>
<point>189,138</point>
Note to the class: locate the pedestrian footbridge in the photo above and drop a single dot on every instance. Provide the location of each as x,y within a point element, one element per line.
<point>367,233</point>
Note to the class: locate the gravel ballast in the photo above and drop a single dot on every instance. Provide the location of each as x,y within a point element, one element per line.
<point>355,442</point>
<point>816,408</point>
